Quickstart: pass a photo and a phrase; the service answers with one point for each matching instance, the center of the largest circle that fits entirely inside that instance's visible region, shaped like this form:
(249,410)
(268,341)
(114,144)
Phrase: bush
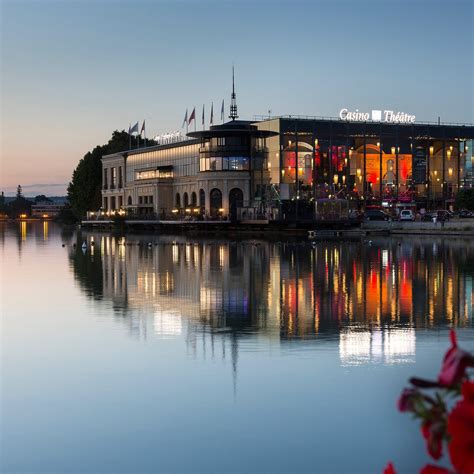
(465,199)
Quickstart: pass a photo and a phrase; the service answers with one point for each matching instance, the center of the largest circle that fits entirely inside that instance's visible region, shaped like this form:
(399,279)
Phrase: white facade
(166,180)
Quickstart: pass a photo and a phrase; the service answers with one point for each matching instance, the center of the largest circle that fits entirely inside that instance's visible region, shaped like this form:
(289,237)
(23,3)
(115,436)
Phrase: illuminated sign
(385,116)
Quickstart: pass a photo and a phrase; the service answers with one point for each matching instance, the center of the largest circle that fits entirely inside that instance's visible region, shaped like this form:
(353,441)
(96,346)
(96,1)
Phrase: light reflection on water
(258,327)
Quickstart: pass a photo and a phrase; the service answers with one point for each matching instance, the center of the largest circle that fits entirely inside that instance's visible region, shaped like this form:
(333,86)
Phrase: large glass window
(226,163)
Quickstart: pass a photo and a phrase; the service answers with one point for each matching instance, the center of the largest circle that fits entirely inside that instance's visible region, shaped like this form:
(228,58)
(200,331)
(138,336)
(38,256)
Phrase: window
(238,163)
(106,174)
(151,200)
(120,201)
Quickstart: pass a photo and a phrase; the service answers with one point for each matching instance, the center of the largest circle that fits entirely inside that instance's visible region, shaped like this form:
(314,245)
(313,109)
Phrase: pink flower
(434,438)
(461,430)
(432,469)
(454,364)
(389,469)
(407,399)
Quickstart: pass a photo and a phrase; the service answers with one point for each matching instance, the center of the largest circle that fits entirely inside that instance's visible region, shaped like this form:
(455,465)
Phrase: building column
(364,171)
(380,163)
(443,186)
(225,196)
(297,171)
(397,151)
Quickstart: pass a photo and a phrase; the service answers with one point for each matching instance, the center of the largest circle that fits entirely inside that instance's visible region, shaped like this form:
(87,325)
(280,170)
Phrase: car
(464,214)
(407,215)
(375,215)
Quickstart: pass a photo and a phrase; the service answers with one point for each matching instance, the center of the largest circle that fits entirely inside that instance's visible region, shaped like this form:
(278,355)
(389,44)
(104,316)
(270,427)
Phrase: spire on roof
(233,102)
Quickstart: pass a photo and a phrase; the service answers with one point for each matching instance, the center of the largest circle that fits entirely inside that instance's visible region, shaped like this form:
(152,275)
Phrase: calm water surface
(167,354)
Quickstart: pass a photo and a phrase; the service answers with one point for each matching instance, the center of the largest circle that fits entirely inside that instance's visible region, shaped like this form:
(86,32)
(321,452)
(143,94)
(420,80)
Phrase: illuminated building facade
(380,162)
(276,168)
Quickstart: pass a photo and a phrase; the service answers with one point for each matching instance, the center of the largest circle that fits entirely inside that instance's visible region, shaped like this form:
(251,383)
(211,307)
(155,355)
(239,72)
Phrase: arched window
(129,200)
(186,200)
(193,199)
(216,201)
(236,198)
(202,198)
(178,200)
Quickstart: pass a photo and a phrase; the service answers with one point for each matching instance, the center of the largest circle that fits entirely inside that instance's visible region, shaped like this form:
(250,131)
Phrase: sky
(72,72)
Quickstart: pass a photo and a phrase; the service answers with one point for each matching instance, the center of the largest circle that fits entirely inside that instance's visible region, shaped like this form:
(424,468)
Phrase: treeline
(20,205)
(84,190)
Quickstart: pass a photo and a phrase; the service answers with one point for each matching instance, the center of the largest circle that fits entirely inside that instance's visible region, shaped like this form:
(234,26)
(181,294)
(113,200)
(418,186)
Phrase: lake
(147,353)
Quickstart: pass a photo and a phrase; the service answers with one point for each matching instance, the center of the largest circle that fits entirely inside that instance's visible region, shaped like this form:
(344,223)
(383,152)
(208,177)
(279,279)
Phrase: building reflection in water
(371,297)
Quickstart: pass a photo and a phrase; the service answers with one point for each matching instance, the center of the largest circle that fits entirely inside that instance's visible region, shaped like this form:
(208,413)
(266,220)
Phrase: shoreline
(301,229)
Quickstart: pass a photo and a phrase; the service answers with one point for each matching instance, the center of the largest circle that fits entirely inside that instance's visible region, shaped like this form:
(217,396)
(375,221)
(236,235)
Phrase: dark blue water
(168,354)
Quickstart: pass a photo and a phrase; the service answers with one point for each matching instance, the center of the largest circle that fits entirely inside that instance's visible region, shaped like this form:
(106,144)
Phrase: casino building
(278,167)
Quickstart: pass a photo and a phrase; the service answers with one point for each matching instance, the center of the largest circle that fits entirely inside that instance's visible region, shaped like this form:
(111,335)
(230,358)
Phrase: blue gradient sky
(72,72)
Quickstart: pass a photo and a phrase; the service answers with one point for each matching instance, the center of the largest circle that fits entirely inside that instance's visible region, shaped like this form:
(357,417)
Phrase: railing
(259,118)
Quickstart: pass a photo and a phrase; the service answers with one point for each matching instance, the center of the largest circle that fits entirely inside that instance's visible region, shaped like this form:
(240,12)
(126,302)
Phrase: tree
(20,205)
(465,199)
(42,198)
(84,190)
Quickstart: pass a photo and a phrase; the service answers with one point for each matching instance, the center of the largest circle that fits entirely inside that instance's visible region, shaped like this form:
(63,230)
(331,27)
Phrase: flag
(185,121)
(212,113)
(202,115)
(133,129)
(222,110)
(192,116)
(142,129)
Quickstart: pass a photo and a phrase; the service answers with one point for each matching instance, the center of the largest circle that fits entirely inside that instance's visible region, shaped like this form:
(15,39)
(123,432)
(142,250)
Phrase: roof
(233,128)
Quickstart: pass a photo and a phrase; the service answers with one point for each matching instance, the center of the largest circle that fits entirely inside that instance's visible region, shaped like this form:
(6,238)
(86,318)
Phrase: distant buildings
(47,209)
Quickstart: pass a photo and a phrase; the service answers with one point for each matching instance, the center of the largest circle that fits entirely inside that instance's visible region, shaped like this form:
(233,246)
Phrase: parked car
(375,215)
(464,214)
(407,215)
(354,214)
(441,215)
